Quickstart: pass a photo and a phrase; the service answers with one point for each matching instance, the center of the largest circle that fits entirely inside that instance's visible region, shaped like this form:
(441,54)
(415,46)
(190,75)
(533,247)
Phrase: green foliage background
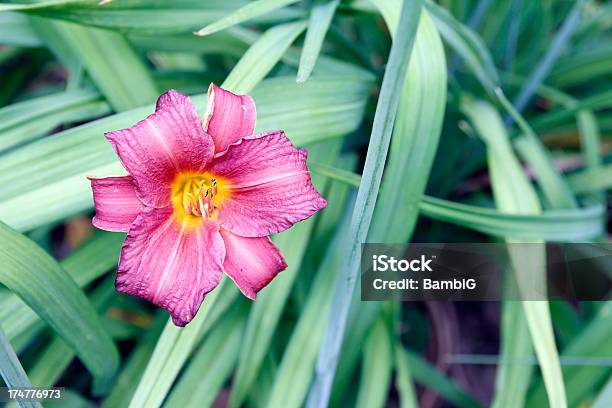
(445,121)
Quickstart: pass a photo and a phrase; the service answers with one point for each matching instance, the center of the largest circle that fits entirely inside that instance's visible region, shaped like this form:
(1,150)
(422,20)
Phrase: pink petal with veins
(228,117)
(251,262)
(171,264)
(116,203)
(268,184)
(155,149)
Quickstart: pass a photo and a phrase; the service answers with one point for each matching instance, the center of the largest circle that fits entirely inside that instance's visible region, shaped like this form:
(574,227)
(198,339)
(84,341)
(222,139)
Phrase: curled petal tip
(228,117)
(250,295)
(322,203)
(179,322)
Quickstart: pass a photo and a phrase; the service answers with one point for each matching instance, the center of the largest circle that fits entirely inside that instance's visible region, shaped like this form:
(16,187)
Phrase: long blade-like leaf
(211,365)
(377,367)
(514,194)
(87,263)
(41,283)
(382,127)
(581,224)
(244,13)
(512,379)
(171,352)
(320,18)
(11,370)
(261,57)
(25,121)
(403,381)
(546,63)
(119,73)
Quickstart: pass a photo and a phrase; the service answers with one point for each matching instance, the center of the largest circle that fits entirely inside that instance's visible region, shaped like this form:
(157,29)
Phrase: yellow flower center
(197,196)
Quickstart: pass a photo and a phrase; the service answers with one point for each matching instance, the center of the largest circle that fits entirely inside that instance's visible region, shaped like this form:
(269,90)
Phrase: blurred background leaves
(501,133)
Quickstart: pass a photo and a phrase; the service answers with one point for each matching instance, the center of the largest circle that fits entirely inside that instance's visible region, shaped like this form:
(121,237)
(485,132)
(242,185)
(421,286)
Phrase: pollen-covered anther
(198,196)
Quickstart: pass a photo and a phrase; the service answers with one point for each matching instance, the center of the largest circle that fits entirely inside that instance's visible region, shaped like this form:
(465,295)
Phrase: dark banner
(475,272)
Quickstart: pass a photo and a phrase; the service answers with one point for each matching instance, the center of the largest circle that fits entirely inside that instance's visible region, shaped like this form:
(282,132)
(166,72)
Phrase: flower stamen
(196,195)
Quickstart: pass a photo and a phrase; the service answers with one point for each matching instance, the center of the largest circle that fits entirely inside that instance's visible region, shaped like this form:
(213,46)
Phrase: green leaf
(261,57)
(596,101)
(581,224)
(555,225)
(542,336)
(156,18)
(382,127)
(70,399)
(11,370)
(115,68)
(556,191)
(41,283)
(413,146)
(592,341)
(415,138)
(175,345)
(321,16)
(377,367)
(35,5)
(52,362)
(426,374)
(87,263)
(591,180)
(171,352)
(244,13)
(297,365)
(403,380)
(490,128)
(514,194)
(232,43)
(26,121)
(512,377)
(361,319)
(466,44)
(15,30)
(604,399)
(53,39)
(545,64)
(581,66)
(57,355)
(211,365)
(128,378)
(13,115)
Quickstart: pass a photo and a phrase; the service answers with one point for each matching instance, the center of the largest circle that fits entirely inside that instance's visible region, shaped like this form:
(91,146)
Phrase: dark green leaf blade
(45,287)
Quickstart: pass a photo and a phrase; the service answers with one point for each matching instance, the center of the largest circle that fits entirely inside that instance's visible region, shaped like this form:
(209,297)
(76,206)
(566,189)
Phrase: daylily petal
(155,149)
(268,185)
(228,116)
(251,262)
(171,264)
(116,203)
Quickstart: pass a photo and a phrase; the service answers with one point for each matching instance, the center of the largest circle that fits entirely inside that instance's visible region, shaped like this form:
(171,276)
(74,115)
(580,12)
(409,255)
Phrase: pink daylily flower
(201,198)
